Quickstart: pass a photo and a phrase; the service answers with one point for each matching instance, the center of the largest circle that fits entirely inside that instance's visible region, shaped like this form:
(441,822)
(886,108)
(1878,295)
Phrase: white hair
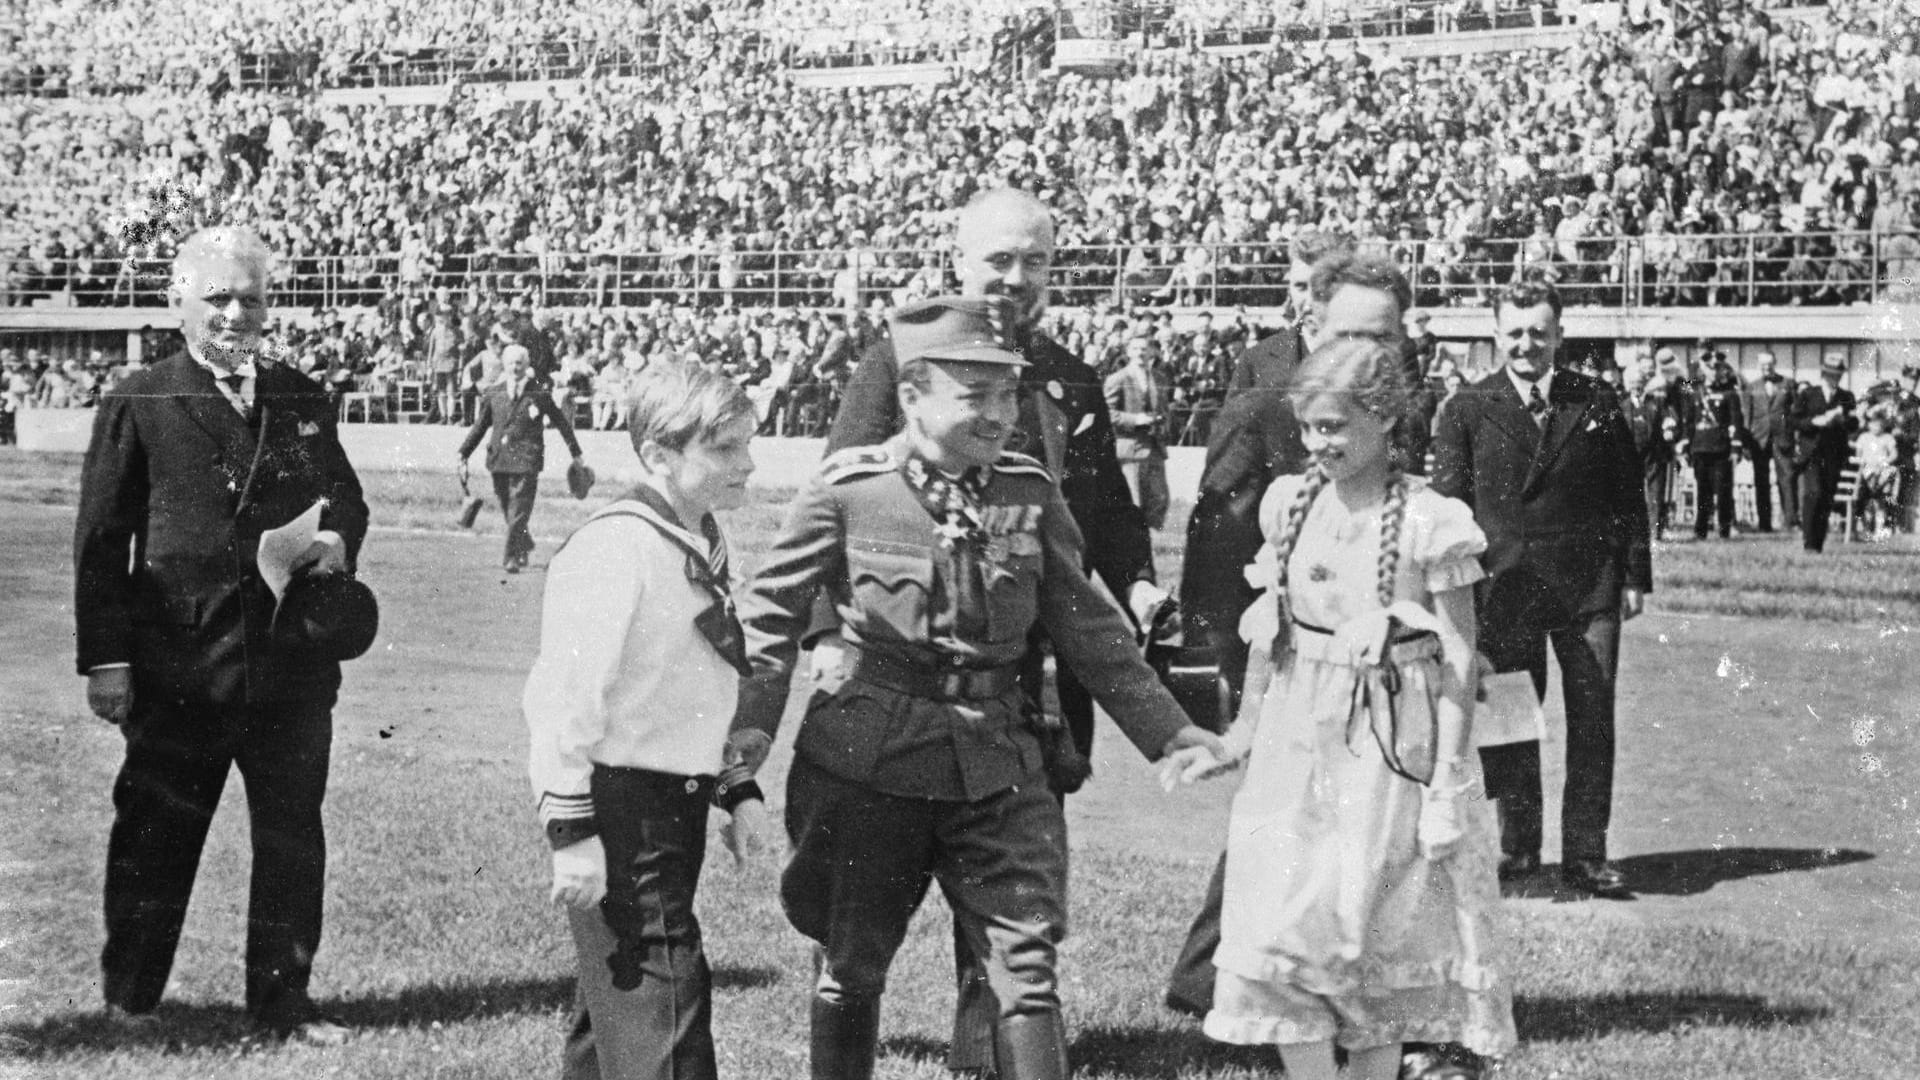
(228,242)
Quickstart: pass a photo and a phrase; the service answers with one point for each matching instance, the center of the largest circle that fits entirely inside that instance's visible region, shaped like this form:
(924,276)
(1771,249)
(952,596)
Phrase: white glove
(580,874)
(1439,831)
(1150,607)
(829,662)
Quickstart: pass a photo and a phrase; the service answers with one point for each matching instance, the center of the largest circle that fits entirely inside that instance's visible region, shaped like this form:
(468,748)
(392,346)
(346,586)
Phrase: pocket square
(309,428)
(1085,423)
(1593,425)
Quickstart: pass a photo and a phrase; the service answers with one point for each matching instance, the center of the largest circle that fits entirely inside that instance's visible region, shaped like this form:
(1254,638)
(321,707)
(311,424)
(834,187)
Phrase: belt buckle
(953,685)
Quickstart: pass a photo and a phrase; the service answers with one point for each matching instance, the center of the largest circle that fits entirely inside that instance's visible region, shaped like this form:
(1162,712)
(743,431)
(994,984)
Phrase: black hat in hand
(332,615)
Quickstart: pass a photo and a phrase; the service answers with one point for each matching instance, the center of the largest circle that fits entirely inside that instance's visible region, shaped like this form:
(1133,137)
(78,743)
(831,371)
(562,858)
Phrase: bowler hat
(1191,673)
(579,478)
(332,616)
(964,328)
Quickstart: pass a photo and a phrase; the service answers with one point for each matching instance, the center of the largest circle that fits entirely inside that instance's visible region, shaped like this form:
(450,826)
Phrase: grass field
(1766,805)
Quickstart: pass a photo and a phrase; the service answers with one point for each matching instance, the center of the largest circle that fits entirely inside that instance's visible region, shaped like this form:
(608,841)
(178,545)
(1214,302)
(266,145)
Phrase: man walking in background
(1545,457)
(1137,398)
(1823,423)
(516,409)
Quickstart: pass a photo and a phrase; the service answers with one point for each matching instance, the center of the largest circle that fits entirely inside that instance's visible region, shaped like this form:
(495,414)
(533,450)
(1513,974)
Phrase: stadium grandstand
(655,178)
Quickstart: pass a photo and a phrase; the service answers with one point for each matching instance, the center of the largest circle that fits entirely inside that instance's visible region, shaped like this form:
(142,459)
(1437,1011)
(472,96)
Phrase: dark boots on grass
(846,1034)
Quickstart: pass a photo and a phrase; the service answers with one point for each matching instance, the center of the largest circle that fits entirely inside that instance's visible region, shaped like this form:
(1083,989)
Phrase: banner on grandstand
(1101,56)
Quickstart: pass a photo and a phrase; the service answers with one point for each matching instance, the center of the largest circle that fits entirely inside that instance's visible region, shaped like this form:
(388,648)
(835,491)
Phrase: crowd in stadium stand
(1184,177)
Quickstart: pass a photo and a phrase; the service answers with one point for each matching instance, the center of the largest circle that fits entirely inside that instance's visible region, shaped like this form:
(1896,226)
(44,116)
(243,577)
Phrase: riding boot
(1031,1046)
(844,1034)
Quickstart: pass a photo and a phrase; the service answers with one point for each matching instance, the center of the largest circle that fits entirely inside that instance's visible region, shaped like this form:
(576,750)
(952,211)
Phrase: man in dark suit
(1004,247)
(1769,443)
(516,409)
(1823,425)
(191,460)
(1254,440)
(1546,460)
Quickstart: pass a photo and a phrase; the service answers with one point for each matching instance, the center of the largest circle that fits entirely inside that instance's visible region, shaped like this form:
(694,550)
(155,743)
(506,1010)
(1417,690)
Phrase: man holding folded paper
(188,646)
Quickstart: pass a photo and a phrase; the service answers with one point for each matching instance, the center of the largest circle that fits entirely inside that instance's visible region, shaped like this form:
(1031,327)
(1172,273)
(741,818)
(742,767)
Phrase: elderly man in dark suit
(1545,458)
(1823,422)
(191,460)
(517,410)
(1004,247)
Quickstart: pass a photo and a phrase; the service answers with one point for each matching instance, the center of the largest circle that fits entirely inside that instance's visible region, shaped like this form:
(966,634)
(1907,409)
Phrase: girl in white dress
(1361,853)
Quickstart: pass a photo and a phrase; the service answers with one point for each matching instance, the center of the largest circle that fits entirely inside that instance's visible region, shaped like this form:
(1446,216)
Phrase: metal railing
(1727,270)
(818,47)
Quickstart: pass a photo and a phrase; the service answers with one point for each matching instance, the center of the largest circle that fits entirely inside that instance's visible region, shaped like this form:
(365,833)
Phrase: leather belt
(933,683)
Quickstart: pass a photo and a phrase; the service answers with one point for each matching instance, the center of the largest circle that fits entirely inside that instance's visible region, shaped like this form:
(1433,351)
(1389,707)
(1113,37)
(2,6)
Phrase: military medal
(993,556)
(997,550)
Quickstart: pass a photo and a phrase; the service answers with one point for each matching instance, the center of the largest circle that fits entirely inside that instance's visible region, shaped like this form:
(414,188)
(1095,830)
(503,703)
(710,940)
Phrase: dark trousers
(176,766)
(862,862)
(1589,652)
(516,492)
(1655,478)
(975,1011)
(1818,481)
(643,1003)
(1190,986)
(1712,489)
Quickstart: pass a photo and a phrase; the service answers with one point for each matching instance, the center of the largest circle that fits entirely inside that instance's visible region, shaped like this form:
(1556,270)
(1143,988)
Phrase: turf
(1765,806)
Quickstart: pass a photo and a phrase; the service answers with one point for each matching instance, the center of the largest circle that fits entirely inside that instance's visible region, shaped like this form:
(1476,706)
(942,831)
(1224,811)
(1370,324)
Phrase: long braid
(1391,517)
(1296,519)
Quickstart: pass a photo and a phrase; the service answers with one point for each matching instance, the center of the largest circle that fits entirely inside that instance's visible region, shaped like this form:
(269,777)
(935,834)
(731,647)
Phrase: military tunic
(921,766)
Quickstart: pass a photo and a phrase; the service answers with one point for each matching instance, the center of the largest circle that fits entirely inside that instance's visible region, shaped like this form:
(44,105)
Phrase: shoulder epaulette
(843,465)
(1019,464)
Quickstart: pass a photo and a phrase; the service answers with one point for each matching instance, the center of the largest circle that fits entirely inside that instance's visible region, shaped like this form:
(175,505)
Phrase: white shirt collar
(245,368)
(1545,383)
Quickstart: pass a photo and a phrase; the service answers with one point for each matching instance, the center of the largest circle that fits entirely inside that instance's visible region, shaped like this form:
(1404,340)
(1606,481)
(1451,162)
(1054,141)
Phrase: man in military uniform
(1003,245)
(938,552)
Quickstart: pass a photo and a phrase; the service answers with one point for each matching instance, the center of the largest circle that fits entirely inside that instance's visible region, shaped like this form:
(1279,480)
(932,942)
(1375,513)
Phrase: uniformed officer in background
(938,552)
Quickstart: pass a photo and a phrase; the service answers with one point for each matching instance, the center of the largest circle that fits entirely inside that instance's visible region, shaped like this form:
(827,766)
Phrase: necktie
(1537,405)
(234,385)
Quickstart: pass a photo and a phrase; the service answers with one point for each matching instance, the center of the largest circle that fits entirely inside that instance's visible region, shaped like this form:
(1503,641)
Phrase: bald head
(1004,247)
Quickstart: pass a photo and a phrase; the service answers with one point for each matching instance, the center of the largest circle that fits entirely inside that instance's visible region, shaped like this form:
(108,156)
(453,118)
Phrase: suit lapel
(200,398)
(1507,412)
(1570,403)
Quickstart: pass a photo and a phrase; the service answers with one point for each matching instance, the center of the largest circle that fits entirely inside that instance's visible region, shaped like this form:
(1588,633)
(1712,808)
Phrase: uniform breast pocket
(892,587)
(1013,597)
